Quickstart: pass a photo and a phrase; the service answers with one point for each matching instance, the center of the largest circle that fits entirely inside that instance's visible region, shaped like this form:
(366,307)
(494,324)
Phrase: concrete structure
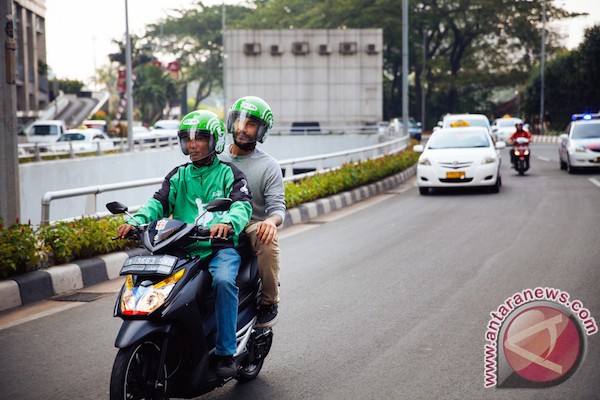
(333,77)
(32,81)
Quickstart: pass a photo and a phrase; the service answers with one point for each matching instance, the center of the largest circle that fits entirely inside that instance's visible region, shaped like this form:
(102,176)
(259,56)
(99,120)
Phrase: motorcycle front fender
(133,331)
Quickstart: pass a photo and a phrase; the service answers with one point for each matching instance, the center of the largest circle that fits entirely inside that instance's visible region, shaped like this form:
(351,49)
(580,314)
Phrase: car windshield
(586,131)
(458,140)
(67,137)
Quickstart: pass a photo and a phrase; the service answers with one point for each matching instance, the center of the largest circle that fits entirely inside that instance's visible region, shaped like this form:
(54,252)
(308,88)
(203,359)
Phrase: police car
(580,144)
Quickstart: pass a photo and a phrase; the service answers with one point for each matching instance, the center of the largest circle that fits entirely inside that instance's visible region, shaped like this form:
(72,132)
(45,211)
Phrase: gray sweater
(265,181)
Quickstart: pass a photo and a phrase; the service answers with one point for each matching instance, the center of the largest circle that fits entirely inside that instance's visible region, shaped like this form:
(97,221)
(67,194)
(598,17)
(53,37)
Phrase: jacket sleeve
(158,206)
(241,210)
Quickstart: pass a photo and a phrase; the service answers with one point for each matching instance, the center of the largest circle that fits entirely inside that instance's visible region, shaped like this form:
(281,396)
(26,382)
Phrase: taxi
(580,143)
(460,156)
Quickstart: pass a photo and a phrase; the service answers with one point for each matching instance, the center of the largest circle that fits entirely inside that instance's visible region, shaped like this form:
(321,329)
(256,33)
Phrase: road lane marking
(594,181)
(543,158)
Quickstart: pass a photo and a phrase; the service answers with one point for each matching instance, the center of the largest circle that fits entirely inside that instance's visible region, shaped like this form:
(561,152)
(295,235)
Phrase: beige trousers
(268,264)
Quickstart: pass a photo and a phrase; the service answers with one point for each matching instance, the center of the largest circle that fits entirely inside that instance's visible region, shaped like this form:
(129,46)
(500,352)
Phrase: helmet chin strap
(204,161)
(245,146)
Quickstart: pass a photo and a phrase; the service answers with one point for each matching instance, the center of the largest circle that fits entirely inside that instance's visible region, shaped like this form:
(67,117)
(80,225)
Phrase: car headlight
(142,300)
(488,160)
(573,148)
(424,161)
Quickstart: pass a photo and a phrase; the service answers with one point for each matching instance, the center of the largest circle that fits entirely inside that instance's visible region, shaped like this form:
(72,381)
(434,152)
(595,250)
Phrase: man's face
(245,130)
(198,147)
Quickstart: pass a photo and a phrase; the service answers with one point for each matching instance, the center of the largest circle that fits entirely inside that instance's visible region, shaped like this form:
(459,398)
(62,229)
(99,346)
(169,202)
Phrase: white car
(459,157)
(462,120)
(82,140)
(166,128)
(580,144)
(503,128)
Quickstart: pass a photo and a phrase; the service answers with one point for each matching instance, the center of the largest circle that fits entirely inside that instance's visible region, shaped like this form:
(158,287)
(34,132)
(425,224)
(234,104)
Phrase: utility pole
(405,67)
(10,204)
(543,67)
(128,82)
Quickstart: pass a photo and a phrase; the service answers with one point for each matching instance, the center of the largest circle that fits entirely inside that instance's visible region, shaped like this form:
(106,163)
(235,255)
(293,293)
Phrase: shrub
(19,249)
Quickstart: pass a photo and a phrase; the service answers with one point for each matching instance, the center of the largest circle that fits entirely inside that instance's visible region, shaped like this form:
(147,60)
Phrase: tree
(571,82)
(154,89)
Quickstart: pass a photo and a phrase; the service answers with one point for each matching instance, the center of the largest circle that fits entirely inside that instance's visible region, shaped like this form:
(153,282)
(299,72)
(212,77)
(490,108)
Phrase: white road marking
(544,158)
(595,181)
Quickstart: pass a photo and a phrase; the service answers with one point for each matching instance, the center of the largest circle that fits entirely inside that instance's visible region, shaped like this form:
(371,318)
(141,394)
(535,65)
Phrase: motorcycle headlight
(142,300)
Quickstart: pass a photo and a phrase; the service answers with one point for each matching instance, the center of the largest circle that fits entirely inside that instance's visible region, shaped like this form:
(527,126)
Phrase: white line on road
(594,181)
(544,158)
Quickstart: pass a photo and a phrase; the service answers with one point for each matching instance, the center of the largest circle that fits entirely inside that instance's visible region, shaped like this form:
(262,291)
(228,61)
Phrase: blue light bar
(585,116)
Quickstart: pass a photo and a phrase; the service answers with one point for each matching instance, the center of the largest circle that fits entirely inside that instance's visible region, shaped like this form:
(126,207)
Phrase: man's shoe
(226,367)
(267,316)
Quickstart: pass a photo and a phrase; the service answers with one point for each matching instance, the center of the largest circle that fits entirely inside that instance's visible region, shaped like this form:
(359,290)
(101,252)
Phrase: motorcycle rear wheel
(135,371)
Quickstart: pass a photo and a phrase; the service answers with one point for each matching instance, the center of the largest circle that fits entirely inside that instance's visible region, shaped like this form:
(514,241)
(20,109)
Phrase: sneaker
(226,367)
(267,316)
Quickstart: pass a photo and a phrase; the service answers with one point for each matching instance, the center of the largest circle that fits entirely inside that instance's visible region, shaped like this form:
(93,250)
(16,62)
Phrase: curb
(43,284)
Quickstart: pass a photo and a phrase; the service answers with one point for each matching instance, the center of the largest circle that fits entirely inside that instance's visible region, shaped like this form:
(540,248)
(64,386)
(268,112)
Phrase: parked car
(166,128)
(82,140)
(45,131)
(503,128)
(580,144)
(459,157)
(414,128)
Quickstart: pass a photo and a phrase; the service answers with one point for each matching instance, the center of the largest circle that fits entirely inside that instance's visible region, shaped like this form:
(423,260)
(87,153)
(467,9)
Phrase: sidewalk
(43,284)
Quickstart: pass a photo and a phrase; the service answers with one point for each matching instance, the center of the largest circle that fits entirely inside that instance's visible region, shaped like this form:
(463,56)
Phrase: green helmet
(205,123)
(254,108)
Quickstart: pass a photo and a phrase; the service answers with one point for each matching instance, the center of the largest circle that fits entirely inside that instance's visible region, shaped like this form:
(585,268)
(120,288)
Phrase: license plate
(455,174)
(159,264)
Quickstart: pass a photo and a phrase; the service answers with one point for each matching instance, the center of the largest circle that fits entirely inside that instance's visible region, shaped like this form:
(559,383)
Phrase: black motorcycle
(521,155)
(167,339)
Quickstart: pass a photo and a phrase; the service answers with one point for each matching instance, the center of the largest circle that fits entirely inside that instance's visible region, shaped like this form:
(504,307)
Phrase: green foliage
(571,84)
(19,249)
(348,176)
(84,238)
(71,86)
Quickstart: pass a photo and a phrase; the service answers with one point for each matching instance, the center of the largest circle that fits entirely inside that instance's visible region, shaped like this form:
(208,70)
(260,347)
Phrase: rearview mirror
(219,204)
(116,208)
(418,148)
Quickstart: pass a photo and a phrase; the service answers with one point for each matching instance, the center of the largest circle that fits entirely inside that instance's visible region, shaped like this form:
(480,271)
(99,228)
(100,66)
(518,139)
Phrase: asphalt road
(388,299)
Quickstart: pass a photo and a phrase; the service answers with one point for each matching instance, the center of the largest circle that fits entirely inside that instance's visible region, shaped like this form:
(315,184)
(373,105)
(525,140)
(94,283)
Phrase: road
(388,299)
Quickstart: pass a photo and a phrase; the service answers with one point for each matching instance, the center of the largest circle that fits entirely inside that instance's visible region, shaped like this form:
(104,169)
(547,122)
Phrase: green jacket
(187,190)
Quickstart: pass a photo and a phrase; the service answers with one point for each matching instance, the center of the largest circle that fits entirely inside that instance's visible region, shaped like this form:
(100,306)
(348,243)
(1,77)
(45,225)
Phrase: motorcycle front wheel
(135,372)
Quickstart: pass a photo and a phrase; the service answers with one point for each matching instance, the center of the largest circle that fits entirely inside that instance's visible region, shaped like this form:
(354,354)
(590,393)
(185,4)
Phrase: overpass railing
(340,157)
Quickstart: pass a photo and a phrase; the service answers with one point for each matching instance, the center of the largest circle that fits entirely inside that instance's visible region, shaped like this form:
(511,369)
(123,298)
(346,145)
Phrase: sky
(79,33)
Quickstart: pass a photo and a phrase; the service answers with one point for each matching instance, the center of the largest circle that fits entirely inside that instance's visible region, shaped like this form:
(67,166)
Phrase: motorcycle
(167,340)
(521,155)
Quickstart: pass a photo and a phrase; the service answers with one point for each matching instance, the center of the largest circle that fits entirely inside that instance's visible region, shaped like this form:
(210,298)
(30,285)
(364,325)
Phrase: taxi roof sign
(459,122)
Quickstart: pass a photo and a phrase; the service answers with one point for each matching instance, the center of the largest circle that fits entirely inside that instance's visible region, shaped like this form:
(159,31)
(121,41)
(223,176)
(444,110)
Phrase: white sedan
(580,144)
(504,127)
(459,157)
(82,140)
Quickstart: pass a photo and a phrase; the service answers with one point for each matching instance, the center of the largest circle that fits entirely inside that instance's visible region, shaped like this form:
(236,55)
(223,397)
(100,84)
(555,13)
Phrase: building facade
(32,71)
(329,77)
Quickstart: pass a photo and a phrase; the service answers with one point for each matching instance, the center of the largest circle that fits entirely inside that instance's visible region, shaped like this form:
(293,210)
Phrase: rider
(520,132)
(248,120)
(184,194)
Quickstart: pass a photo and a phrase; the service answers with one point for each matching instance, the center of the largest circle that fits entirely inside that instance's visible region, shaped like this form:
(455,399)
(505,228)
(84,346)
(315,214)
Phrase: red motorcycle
(521,155)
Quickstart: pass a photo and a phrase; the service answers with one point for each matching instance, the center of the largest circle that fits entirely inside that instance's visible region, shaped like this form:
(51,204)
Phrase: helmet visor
(245,127)
(185,136)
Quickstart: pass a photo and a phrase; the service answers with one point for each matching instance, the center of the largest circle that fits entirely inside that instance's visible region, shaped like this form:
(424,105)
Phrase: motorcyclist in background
(520,132)
(184,194)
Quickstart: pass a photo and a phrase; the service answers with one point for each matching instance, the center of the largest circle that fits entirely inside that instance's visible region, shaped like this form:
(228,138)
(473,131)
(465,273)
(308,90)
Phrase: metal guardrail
(376,151)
